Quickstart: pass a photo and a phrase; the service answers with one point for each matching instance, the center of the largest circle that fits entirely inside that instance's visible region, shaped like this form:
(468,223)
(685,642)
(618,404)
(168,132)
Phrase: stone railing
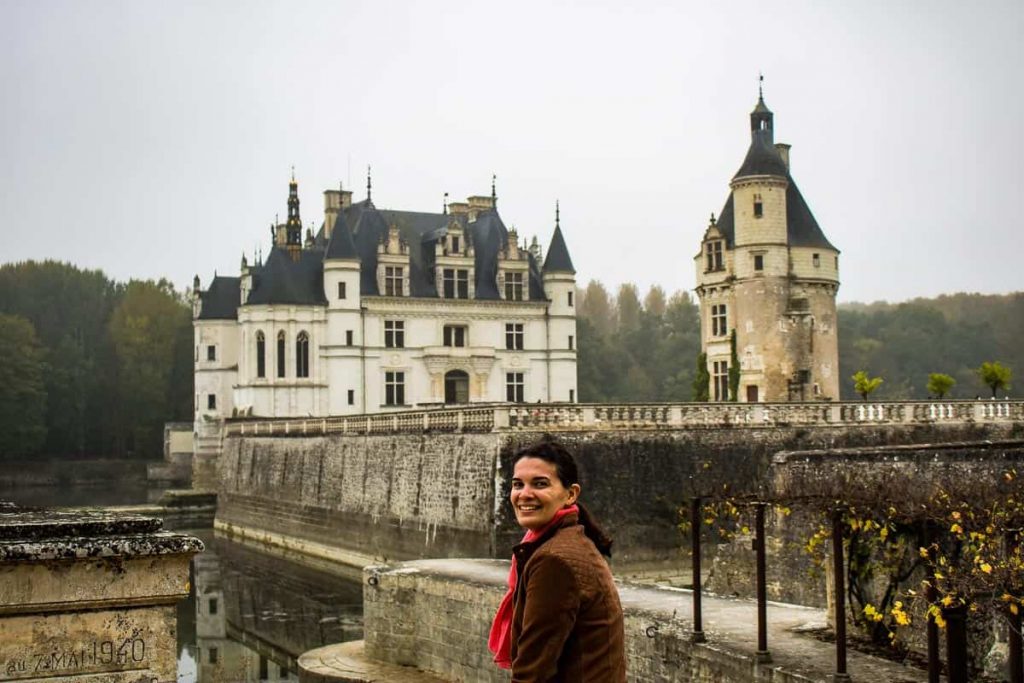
(599,416)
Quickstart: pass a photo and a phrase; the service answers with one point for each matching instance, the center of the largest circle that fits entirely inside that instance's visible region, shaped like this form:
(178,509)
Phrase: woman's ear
(574,494)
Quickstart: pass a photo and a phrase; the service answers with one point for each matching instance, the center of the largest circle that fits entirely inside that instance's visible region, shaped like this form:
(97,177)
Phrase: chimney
(783,149)
(332,204)
(458,208)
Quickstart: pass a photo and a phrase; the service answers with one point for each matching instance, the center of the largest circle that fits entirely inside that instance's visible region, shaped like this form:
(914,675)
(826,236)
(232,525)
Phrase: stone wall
(378,497)
(404,496)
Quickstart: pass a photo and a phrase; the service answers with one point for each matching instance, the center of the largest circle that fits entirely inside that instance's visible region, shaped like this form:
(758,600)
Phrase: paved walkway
(730,625)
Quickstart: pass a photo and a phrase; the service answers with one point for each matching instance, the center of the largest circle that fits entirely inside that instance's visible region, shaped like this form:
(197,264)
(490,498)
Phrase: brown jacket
(567,621)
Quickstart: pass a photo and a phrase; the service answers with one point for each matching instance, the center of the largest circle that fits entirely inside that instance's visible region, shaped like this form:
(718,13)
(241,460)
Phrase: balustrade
(566,416)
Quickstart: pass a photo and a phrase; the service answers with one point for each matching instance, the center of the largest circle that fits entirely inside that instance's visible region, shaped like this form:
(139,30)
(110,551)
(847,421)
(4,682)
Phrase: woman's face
(538,493)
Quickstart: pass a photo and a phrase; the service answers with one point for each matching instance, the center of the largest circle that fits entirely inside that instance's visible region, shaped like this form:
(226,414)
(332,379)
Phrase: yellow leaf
(1013,607)
(986,567)
(884,532)
(923,552)
(947,601)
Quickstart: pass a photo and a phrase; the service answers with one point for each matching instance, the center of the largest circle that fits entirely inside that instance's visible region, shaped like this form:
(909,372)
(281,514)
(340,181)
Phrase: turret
(559,277)
(293,226)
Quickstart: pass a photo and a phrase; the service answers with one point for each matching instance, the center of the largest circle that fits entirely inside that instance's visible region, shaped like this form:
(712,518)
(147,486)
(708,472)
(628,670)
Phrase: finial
(445,203)
(369,183)
(760,84)
(558,214)
(293,173)
(494,192)
(712,218)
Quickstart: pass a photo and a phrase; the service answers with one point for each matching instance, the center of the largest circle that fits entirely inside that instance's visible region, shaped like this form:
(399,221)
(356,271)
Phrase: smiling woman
(560,619)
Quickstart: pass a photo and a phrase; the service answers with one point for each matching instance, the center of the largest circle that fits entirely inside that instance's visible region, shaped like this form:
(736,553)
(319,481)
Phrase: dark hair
(551,451)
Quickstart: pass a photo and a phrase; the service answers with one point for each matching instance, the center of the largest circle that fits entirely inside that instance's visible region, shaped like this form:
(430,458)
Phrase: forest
(94,367)
(91,367)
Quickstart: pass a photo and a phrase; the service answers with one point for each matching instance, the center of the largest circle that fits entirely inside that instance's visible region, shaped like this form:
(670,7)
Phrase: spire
(558,254)
(369,184)
(760,86)
(445,204)
(762,157)
(494,192)
(294,225)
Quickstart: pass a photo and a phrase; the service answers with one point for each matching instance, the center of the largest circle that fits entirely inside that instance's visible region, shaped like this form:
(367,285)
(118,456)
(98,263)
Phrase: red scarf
(500,640)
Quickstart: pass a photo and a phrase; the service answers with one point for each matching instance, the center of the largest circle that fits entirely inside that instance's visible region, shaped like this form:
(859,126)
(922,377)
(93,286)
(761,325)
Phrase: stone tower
(767,272)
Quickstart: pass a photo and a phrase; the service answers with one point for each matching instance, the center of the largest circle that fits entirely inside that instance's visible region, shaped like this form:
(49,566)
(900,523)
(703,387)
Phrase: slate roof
(762,157)
(558,255)
(802,229)
(357,232)
(220,300)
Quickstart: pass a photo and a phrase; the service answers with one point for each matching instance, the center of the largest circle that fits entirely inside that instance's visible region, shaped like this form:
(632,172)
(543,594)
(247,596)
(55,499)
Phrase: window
(572,396)
(456,283)
(570,342)
(394,388)
(455,244)
(514,336)
(341,290)
(758,261)
(570,298)
(264,669)
(351,397)
(720,380)
(719,327)
(212,655)
(348,337)
(392,281)
(212,606)
(514,286)
(758,206)
(302,355)
(211,352)
(837,263)
(514,387)
(280,354)
(714,254)
(394,334)
(454,335)
(211,401)
(816,260)
(261,355)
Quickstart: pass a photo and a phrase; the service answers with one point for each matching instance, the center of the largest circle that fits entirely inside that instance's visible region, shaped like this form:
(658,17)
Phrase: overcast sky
(155,139)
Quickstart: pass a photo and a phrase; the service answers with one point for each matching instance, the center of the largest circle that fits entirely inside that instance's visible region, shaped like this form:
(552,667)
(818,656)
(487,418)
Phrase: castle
(767,276)
(385,309)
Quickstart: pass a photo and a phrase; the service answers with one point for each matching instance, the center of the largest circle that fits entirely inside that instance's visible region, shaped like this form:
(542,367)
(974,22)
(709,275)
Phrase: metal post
(956,643)
(839,604)
(1015,666)
(763,655)
(698,627)
(931,595)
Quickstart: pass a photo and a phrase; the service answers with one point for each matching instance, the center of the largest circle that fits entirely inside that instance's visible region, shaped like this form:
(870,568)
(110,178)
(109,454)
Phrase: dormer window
(514,286)
(456,283)
(758,206)
(714,256)
(393,281)
(455,244)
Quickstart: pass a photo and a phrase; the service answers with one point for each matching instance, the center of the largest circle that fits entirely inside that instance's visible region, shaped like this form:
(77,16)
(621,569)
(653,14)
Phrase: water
(249,615)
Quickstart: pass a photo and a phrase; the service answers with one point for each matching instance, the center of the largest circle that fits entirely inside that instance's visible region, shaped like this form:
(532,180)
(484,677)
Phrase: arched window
(261,354)
(280,354)
(456,386)
(302,355)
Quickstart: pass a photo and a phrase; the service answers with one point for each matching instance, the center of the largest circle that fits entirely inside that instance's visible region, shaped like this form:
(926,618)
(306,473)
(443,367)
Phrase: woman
(561,619)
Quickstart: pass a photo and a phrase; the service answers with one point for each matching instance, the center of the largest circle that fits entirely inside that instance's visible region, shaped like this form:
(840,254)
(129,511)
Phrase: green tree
(22,388)
(145,329)
(863,384)
(734,369)
(627,304)
(595,305)
(939,384)
(995,376)
(702,379)
(654,302)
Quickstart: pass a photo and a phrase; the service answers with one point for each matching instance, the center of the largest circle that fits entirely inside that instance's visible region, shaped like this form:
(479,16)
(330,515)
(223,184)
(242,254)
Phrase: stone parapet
(588,416)
(435,615)
(89,596)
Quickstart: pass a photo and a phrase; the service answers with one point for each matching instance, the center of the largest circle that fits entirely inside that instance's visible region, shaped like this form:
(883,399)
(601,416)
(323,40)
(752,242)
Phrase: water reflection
(249,615)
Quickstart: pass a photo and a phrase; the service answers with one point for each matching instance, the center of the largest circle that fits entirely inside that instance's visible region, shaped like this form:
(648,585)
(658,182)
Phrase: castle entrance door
(456,387)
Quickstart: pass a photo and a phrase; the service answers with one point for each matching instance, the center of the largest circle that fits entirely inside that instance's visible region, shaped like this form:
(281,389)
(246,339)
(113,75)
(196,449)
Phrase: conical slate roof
(341,245)
(558,255)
